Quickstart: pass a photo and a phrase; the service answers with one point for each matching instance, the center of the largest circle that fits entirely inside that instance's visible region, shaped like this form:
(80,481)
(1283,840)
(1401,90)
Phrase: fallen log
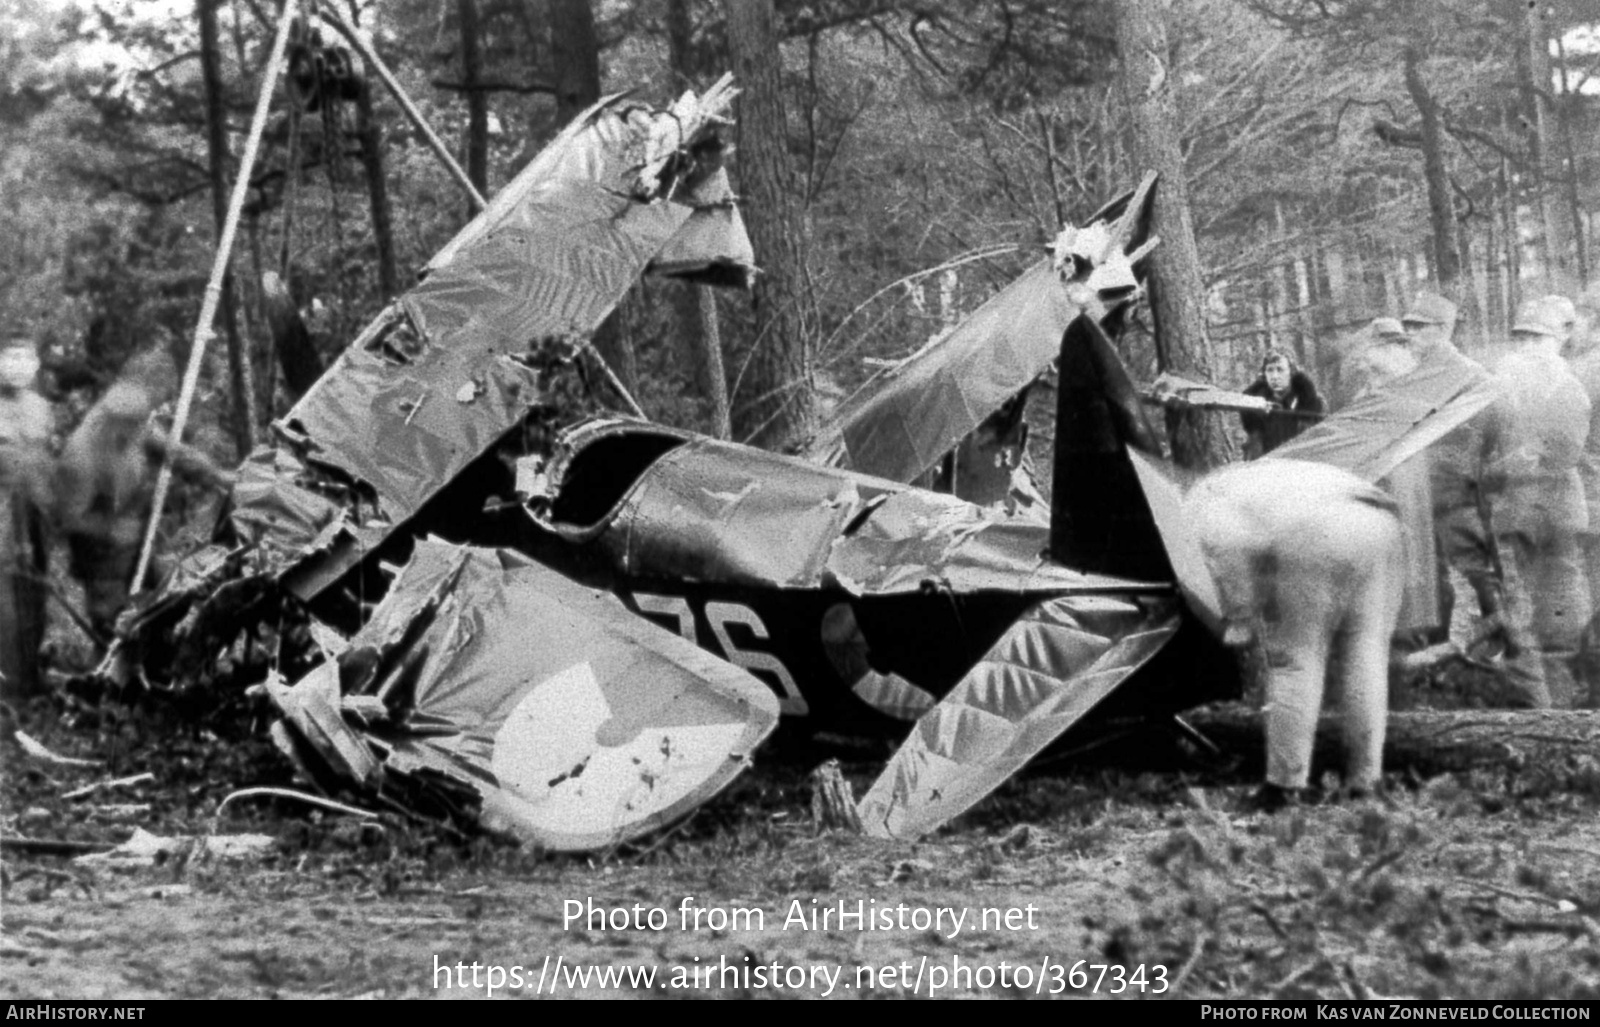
(52,846)
(1560,747)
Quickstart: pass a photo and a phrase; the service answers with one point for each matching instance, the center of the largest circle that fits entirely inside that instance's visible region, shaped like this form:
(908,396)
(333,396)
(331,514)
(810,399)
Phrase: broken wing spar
(575,723)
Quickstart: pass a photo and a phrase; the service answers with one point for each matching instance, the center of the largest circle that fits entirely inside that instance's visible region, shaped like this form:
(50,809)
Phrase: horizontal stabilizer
(1060,659)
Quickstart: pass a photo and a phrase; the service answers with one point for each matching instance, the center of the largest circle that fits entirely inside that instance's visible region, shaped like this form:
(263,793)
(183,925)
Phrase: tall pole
(213,294)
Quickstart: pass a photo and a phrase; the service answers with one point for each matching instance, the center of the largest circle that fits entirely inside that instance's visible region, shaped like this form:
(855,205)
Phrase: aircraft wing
(904,419)
(573,723)
(1060,658)
(447,370)
(1370,438)
(1385,428)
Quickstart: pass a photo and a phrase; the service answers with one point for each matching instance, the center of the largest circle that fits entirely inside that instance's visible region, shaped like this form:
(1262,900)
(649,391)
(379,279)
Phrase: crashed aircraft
(827,594)
(581,645)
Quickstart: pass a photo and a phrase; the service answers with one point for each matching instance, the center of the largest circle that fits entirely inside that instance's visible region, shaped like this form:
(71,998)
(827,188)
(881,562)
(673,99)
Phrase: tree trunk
(697,305)
(680,37)
(1560,268)
(1565,113)
(297,353)
(1446,251)
(1495,316)
(782,403)
(244,413)
(1471,318)
(371,132)
(576,51)
(1177,296)
(1563,745)
(477,98)
(1510,231)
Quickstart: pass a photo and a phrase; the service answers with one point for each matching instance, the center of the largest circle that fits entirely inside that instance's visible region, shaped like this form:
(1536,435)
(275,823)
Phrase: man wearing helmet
(1534,439)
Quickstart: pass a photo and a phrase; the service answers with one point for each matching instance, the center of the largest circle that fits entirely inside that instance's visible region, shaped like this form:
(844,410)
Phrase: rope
(208,307)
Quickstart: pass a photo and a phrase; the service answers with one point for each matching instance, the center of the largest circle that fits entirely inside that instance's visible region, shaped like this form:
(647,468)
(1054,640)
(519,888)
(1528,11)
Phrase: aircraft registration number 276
(721,616)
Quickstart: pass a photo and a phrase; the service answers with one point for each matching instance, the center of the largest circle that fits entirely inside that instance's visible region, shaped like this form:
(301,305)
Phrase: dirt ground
(1096,881)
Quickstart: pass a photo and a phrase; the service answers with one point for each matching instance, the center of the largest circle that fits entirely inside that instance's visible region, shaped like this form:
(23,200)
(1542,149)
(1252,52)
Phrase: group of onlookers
(1503,514)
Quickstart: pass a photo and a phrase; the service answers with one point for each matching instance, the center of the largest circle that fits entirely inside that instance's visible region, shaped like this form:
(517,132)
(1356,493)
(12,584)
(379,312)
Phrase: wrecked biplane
(846,599)
(598,637)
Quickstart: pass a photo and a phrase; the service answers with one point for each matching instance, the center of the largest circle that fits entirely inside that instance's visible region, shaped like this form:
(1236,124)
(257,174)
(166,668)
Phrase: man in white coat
(1308,559)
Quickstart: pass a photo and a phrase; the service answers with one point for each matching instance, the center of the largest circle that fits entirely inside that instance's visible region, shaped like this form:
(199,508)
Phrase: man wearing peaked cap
(1454,472)
(1430,309)
(1388,355)
(1388,328)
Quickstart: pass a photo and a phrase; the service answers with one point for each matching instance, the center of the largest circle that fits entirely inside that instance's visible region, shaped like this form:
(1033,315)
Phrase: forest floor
(1089,880)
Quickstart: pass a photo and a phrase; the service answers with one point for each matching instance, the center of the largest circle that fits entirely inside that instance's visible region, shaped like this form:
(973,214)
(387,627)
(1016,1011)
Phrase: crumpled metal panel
(1383,429)
(271,510)
(313,711)
(408,406)
(917,540)
(712,247)
(714,511)
(718,511)
(579,724)
(439,376)
(1049,669)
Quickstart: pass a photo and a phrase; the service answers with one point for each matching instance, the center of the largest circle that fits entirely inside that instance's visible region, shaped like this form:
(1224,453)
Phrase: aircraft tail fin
(1101,520)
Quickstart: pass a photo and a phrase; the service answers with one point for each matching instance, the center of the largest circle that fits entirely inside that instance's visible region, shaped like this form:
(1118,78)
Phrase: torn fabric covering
(902,421)
(915,413)
(1049,669)
(720,512)
(578,724)
(1385,428)
(441,375)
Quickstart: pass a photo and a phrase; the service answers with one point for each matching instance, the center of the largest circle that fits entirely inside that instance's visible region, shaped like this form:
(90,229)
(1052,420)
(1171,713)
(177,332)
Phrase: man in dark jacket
(1299,405)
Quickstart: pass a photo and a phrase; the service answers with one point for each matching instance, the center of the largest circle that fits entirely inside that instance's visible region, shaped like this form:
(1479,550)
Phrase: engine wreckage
(586,641)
